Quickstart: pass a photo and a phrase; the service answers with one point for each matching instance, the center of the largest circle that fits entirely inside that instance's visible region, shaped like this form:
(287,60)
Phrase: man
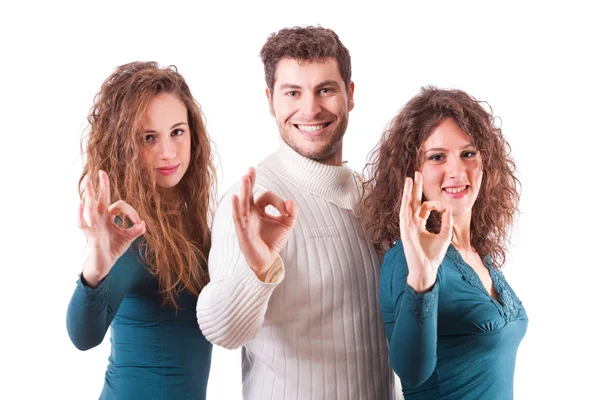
(298,287)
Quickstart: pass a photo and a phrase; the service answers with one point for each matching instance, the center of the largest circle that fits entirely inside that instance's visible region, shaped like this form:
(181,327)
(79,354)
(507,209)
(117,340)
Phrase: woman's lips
(456,192)
(168,170)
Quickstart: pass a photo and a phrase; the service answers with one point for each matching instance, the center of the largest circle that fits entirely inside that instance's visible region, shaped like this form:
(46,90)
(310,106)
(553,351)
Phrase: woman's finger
(90,202)
(405,205)
(81,220)
(135,231)
(121,207)
(447,223)
(417,193)
(429,206)
(103,192)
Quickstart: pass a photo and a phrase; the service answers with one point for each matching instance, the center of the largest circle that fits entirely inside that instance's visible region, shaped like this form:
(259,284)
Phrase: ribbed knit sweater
(316,331)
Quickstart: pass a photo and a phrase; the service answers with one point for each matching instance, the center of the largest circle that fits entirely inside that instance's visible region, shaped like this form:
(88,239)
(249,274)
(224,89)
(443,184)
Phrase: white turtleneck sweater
(315,332)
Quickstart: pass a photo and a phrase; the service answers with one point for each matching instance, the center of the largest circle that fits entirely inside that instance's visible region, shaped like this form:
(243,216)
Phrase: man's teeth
(310,128)
(455,190)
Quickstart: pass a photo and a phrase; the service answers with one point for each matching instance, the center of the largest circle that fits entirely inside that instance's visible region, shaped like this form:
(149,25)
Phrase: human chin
(460,206)
(170,181)
(166,183)
(318,148)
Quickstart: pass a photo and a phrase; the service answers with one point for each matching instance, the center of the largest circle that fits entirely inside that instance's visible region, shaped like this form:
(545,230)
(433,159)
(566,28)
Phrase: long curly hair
(399,154)
(177,239)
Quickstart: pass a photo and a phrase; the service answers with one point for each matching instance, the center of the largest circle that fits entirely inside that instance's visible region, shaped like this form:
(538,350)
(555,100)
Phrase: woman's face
(166,140)
(452,168)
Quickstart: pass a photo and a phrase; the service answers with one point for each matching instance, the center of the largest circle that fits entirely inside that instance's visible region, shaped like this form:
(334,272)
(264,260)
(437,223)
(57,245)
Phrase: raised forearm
(232,309)
(413,344)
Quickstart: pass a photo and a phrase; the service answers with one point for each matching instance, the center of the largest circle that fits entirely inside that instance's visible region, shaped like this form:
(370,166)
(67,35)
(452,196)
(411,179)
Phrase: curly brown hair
(177,239)
(310,43)
(398,155)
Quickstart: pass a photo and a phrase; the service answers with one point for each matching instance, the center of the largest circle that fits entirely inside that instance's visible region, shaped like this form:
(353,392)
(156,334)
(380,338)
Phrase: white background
(536,64)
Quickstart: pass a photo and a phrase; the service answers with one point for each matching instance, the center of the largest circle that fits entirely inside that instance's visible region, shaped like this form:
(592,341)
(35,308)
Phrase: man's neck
(336,160)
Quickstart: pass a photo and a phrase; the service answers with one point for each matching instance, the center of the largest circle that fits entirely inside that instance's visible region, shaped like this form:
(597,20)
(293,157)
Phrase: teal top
(455,341)
(156,352)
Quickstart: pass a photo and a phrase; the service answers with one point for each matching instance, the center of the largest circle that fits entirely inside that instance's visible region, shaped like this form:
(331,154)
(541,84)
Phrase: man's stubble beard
(326,153)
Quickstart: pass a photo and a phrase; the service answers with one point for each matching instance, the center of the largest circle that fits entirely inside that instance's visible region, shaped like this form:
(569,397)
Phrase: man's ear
(270,99)
(351,96)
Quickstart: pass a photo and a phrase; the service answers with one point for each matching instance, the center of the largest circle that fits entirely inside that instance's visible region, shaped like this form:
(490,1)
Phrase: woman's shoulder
(397,250)
(394,260)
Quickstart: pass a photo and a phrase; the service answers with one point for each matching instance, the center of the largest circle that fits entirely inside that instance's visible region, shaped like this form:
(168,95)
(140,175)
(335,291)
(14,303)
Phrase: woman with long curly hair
(147,192)
(440,196)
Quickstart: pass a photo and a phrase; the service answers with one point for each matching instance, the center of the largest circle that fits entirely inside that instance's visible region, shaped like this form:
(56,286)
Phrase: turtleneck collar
(336,184)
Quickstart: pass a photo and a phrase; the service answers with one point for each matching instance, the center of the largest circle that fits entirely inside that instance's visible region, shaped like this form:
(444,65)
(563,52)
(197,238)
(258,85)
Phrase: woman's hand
(107,241)
(424,250)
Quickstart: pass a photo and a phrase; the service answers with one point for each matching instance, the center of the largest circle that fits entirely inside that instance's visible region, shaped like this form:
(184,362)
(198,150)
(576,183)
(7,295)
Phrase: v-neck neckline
(475,275)
(506,304)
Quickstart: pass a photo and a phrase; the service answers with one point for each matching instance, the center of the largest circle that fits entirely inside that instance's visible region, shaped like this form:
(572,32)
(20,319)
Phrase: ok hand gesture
(261,236)
(424,250)
(107,241)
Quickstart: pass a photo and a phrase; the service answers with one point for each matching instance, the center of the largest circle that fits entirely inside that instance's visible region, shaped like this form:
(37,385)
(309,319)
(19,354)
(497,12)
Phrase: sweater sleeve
(413,333)
(231,308)
(91,310)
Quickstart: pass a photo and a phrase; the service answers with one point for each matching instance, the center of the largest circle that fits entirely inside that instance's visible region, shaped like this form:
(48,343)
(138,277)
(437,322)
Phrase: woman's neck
(169,195)
(461,232)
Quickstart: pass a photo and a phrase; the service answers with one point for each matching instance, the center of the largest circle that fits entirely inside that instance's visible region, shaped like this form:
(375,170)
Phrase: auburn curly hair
(177,239)
(399,154)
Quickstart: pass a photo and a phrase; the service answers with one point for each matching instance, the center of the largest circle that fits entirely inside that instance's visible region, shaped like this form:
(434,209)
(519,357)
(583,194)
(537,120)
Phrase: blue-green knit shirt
(156,352)
(455,341)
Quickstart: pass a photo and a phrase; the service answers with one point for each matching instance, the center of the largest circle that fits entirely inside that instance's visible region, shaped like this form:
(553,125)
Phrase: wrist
(262,273)
(91,275)
(420,283)
(92,278)
(270,273)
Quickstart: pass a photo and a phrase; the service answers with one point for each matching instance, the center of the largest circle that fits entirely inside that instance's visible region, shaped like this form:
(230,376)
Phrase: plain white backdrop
(535,63)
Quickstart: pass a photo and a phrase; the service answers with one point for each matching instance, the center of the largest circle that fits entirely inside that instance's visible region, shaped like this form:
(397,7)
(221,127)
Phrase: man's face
(311,104)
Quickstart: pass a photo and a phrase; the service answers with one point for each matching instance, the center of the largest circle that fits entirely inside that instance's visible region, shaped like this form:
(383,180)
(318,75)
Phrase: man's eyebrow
(330,82)
(289,86)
